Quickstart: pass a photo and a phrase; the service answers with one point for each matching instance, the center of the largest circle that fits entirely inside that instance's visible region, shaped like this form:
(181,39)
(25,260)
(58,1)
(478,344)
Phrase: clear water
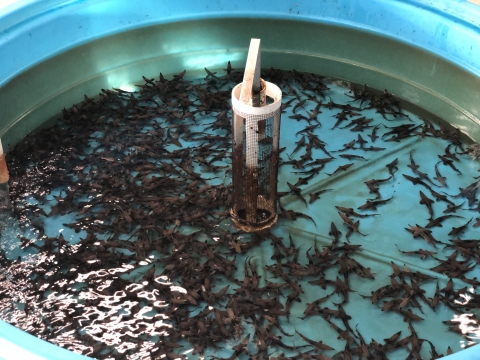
(114,306)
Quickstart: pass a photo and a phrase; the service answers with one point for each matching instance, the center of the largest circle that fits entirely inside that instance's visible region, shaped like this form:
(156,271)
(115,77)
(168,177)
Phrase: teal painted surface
(402,46)
(435,26)
(53,52)
(16,344)
(423,78)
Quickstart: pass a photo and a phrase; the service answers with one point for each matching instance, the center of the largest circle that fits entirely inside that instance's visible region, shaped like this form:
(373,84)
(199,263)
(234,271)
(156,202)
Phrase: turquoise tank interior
(55,52)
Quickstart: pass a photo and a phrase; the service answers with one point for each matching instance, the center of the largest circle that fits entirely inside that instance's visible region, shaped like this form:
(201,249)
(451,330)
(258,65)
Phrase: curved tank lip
(445,27)
(449,28)
(16,344)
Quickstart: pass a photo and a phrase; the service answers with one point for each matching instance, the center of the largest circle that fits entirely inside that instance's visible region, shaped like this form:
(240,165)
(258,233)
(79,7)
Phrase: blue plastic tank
(52,52)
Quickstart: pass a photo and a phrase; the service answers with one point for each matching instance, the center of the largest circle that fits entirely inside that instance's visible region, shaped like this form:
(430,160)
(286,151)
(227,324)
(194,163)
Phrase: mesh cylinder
(256,134)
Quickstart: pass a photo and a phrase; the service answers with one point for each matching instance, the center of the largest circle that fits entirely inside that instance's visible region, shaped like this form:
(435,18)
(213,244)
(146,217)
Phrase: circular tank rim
(25,24)
(449,29)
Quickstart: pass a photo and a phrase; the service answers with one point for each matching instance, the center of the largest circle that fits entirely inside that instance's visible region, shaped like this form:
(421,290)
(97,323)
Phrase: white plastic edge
(273,91)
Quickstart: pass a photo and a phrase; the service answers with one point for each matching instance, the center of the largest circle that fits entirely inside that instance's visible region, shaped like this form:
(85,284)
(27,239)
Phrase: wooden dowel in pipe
(250,94)
(3,166)
(251,77)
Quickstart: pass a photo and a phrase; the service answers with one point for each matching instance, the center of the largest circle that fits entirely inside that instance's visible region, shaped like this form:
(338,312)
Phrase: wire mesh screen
(255,161)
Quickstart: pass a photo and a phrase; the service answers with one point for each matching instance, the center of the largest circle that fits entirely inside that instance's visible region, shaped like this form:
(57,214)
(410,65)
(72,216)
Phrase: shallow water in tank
(137,322)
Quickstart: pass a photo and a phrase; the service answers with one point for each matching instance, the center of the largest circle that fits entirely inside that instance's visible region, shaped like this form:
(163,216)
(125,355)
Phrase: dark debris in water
(157,274)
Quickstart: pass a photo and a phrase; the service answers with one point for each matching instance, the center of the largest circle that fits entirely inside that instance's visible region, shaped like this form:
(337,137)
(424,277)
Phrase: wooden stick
(251,86)
(251,77)
(3,166)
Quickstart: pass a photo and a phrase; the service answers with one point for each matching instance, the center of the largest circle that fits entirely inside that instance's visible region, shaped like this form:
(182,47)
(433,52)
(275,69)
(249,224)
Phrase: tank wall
(437,26)
(437,84)
(53,52)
